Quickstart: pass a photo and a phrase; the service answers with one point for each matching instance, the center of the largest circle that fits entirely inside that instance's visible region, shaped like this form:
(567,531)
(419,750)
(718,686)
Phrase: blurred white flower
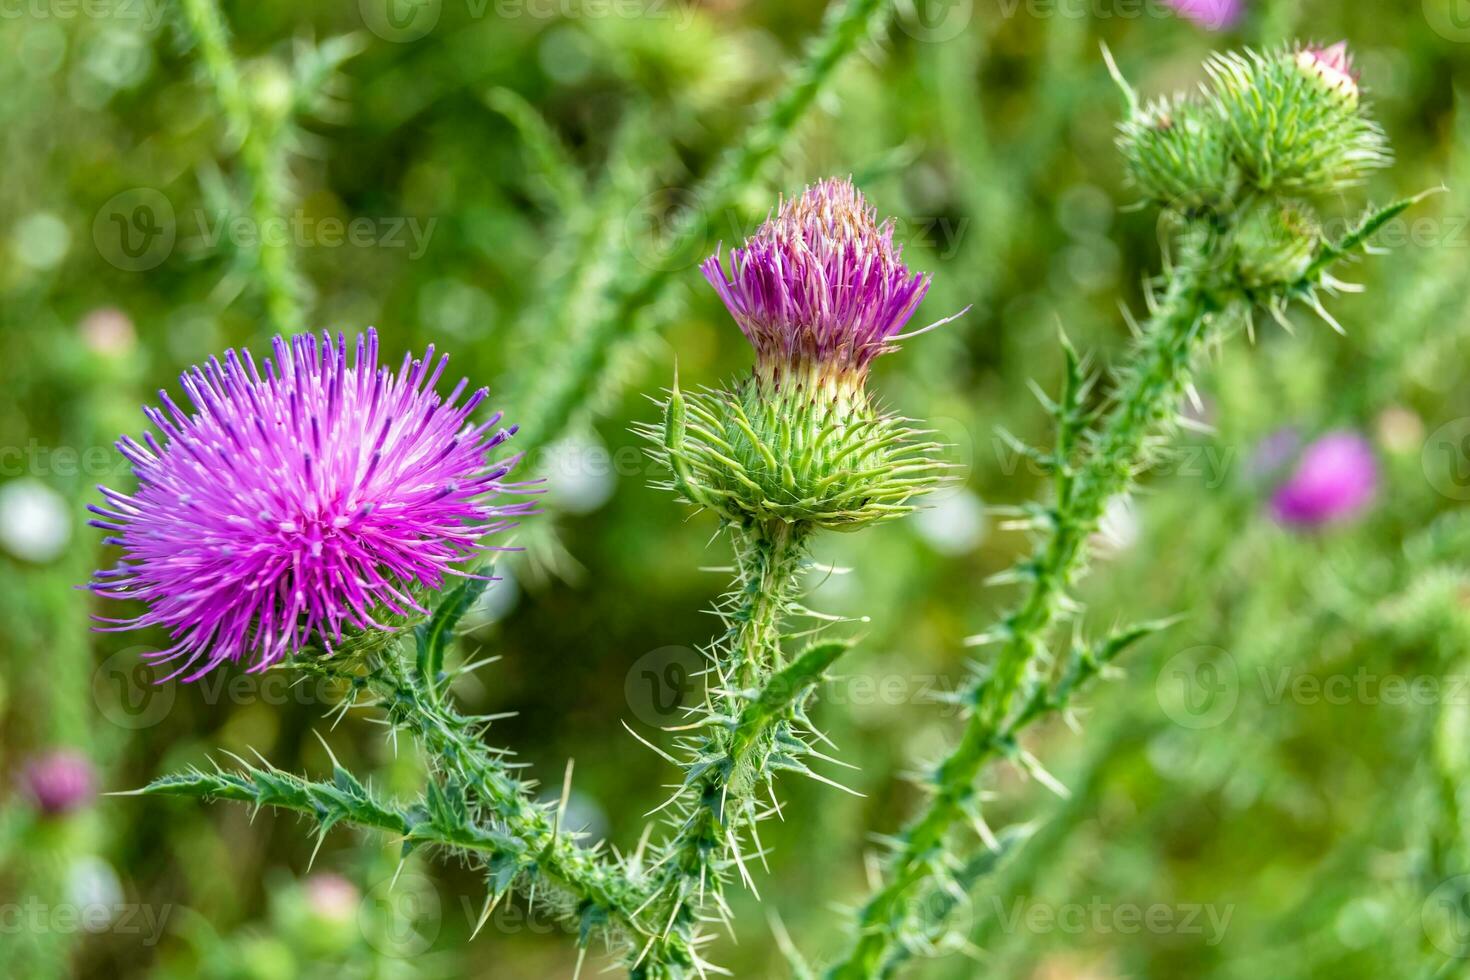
(92,885)
(496,602)
(1119,528)
(952,525)
(108,331)
(579,474)
(35,523)
(41,240)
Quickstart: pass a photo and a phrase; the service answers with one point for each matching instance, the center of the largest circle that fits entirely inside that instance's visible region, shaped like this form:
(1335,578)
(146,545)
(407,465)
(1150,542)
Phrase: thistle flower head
(1294,119)
(299,501)
(819,291)
(60,781)
(1334,479)
(820,287)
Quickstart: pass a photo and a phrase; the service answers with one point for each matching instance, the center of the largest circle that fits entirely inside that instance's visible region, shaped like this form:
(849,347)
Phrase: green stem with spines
(262,156)
(754,695)
(543,853)
(1172,341)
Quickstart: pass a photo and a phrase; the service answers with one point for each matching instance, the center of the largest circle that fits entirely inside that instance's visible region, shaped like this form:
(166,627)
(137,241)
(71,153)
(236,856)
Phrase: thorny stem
(1173,339)
(545,854)
(261,156)
(753,697)
(768,562)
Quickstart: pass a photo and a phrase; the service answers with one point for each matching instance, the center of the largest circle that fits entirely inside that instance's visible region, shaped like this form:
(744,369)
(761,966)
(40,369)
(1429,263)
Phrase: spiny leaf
(433,636)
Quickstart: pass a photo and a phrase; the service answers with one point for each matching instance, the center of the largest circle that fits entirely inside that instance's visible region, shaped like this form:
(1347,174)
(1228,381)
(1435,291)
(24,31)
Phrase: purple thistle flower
(821,284)
(60,781)
(1216,15)
(1335,478)
(302,501)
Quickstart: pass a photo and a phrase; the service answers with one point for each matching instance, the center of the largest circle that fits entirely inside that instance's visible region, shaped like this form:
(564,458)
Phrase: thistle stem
(754,695)
(261,156)
(1173,339)
(541,850)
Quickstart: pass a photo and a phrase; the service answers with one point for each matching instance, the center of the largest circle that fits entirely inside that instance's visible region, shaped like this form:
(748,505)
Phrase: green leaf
(1358,238)
(433,637)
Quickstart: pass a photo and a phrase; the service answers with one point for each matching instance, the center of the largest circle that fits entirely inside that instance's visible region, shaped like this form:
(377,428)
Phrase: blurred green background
(1281,773)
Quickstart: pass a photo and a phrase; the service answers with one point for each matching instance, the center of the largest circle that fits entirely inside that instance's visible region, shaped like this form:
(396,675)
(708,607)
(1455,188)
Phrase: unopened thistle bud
(1178,156)
(1333,66)
(1275,245)
(819,291)
(1335,479)
(1295,119)
(60,781)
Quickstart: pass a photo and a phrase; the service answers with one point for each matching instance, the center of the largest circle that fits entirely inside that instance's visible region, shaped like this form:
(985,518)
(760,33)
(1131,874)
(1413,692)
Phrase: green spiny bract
(797,449)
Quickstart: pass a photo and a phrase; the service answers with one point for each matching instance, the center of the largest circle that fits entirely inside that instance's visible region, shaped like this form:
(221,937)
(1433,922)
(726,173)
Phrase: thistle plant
(796,447)
(316,509)
(1238,169)
(325,514)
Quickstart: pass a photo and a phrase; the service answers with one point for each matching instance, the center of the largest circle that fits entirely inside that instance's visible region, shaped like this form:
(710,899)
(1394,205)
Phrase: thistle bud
(60,781)
(819,291)
(1295,121)
(1275,245)
(1176,154)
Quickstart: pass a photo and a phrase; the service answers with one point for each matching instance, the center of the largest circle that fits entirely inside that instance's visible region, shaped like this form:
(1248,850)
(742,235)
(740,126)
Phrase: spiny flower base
(763,453)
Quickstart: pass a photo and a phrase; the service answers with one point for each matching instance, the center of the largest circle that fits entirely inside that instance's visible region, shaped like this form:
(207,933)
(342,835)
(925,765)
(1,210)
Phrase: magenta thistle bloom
(299,502)
(1217,15)
(1335,478)
(60,781)
(820,285)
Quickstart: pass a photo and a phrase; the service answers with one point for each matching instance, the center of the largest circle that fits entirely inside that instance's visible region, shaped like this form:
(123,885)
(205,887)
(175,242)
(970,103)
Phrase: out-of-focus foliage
(1273,787)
